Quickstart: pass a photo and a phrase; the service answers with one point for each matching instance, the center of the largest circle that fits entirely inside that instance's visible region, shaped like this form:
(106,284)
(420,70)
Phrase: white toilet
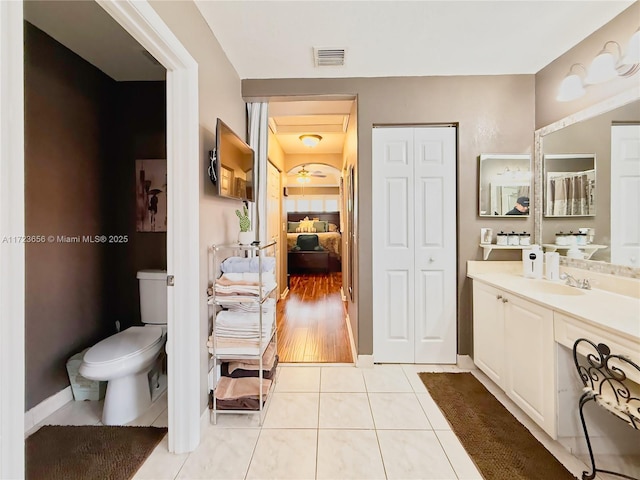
(125,359)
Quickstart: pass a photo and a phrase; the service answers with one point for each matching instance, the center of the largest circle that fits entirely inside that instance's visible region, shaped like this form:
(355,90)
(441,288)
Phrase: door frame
(142,22)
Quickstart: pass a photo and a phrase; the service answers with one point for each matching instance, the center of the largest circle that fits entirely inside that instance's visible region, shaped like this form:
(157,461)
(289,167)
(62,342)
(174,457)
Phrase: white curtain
(258,121)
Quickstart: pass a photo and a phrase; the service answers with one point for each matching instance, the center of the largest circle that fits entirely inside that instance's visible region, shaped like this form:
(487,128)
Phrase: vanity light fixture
(607,65)
(633,50)
(310,140)
(604,67)
(572,86)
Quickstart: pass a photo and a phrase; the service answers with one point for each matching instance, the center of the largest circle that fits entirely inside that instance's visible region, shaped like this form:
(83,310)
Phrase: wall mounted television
(231,165)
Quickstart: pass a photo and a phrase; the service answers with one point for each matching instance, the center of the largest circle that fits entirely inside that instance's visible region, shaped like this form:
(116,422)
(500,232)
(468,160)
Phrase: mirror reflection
(569,185)
(614,233)
(504,185)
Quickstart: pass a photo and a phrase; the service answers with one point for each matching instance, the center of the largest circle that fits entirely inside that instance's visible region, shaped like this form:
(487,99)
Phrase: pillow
(306,225)
(320,227)
(308,242)
(292,226)
(332,227)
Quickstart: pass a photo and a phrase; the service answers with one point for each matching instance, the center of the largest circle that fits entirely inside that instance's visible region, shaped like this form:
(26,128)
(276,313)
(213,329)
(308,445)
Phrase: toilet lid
(129,342)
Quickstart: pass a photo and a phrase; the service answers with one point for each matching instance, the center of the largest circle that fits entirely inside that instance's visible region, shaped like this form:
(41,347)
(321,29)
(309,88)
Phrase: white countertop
(617,313)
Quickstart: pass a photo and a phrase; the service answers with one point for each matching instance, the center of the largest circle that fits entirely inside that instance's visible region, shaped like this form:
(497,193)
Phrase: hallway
(311,321)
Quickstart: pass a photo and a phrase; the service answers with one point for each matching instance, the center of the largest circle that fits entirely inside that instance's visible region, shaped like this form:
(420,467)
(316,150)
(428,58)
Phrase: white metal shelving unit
(218,355)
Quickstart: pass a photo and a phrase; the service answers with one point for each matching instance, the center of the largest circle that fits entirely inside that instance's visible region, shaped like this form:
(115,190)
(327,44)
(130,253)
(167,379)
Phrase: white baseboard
(354,353)
(284,294)
(205,421)
(364,361)
(45,408)
(466,362)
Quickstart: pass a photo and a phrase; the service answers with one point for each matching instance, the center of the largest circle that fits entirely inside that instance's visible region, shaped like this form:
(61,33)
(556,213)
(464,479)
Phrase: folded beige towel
(229,388)
(268,358)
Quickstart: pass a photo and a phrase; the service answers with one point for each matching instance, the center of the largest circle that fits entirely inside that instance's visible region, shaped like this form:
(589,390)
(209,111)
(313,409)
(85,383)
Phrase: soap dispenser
(532,262)
(552,270)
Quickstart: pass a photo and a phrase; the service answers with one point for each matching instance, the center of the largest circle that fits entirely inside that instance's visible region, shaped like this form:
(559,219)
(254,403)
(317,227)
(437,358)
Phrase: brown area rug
(89,452)
(501,447)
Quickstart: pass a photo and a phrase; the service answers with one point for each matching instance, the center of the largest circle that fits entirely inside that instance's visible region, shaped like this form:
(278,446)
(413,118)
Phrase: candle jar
(513,239)
(525,239)
(581,239)
(501,239)
(561,239)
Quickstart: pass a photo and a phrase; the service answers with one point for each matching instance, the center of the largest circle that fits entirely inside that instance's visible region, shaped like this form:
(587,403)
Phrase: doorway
(313,142)
(143,23)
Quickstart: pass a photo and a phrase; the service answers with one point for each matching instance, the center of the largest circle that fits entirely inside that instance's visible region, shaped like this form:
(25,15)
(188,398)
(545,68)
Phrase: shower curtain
(570,193)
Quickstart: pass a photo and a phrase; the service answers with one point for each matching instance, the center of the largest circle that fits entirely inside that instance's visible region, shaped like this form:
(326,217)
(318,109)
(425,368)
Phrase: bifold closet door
(414,244)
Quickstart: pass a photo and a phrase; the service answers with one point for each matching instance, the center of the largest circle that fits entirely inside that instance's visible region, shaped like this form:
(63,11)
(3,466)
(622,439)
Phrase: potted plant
(246,235)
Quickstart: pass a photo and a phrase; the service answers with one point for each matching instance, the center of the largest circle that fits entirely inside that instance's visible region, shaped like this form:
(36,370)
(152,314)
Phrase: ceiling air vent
(326,57)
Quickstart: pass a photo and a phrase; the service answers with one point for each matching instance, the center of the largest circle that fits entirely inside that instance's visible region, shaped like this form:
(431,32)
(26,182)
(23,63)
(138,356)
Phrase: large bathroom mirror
(614,226)
(503,179)
(569,182)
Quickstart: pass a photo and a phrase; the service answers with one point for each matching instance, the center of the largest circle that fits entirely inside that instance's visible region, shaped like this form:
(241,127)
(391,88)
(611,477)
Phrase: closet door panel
(396,222)
(397,328)
(435,249)
(430,193)
(393,245)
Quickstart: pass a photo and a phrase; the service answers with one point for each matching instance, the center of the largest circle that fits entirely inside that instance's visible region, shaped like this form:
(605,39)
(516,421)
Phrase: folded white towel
(241,265)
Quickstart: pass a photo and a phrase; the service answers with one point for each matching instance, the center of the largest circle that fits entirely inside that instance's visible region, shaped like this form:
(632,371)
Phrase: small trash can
(83,388)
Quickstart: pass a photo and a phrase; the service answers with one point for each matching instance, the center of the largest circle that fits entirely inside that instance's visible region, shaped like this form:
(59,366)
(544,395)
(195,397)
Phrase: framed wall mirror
(569,184)
(503,180)
(611,132)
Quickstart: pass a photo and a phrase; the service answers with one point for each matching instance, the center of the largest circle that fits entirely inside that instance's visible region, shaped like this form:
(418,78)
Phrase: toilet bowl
(125,359)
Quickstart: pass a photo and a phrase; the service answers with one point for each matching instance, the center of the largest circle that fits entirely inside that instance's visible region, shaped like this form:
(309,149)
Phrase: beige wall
(495,114)
(219,96)
(548,109)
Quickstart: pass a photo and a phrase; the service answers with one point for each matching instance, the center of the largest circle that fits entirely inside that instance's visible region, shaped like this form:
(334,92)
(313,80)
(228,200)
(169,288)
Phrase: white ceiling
(327,118)
(86,29)
(275,39)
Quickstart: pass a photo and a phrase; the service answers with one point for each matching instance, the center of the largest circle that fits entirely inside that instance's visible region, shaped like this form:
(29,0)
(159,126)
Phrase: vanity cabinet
(488,332)
(530,358)
(514,347)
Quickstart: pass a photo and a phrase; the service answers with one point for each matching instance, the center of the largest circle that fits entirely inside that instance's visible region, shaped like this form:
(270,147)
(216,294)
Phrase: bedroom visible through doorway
(312,143)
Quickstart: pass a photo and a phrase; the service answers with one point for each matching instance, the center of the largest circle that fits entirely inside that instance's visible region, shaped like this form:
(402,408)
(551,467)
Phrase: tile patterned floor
(330,422)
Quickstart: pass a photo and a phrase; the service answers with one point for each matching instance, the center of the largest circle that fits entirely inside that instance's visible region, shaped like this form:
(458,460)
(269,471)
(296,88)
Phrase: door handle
(431,260)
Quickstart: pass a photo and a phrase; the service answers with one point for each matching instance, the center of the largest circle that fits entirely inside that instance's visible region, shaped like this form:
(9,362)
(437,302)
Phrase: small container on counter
(525,239)
(571,239)
(486,236)
(581,239)
(513,239)
(561,239)
(502,239)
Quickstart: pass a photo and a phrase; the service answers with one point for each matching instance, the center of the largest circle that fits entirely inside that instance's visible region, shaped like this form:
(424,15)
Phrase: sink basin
(557,289)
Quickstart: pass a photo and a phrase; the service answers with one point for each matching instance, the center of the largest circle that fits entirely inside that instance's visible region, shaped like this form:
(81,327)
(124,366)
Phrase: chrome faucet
(574,282)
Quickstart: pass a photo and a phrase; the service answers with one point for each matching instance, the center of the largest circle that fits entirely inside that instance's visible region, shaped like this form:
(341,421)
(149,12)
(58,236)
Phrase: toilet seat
(129,343)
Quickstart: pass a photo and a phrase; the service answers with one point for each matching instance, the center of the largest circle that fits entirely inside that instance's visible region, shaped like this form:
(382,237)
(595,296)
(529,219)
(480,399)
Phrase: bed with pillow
(324,224)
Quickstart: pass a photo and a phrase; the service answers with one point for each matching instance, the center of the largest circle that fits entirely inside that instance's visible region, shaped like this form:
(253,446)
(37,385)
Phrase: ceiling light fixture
(310,140)
(608,64)
(304,176)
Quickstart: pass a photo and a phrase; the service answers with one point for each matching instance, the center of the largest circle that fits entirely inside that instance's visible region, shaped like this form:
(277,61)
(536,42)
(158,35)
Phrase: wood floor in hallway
(311,321)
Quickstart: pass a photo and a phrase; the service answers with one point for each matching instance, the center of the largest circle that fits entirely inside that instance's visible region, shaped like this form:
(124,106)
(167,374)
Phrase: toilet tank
(153,296)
